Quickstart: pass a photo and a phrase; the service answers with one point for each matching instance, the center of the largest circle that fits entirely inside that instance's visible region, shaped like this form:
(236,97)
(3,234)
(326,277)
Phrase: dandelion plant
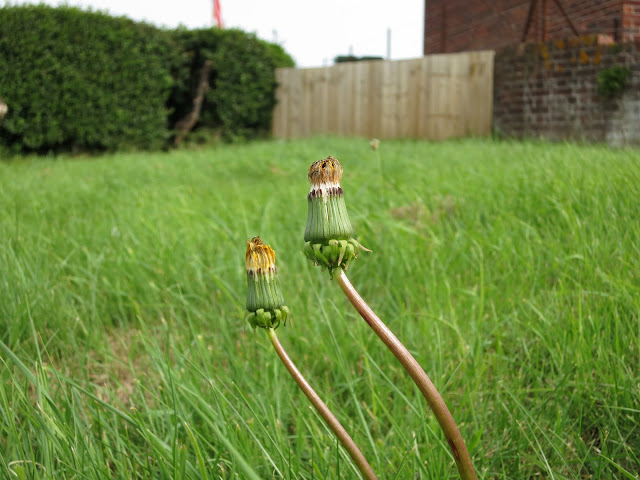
(330,244)
(329,234)
(266,309)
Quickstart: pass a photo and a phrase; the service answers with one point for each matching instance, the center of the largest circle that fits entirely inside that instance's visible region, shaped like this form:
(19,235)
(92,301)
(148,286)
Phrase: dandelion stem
(413,368)
(331,420)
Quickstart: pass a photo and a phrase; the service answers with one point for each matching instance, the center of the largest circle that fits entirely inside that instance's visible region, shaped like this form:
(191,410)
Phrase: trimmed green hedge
(78,80)
(242,80)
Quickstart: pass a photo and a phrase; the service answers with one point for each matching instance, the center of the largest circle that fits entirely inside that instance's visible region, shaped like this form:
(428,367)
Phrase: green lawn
(510,270)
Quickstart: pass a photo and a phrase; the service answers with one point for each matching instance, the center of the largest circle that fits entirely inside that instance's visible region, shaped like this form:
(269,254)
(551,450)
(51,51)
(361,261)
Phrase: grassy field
(510,270)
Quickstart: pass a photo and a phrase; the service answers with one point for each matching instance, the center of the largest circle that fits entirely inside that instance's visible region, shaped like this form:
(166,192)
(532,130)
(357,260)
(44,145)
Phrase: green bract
(336,254)
(327,217)
(268,318)
(263,291)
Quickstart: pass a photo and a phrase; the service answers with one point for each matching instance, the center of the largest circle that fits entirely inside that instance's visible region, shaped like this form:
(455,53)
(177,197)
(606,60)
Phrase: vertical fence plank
(433,97)
(413,99)
(385,99)
(402,119)
(344,99)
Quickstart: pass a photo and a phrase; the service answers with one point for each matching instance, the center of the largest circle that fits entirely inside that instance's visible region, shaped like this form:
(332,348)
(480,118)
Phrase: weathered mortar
(550,90)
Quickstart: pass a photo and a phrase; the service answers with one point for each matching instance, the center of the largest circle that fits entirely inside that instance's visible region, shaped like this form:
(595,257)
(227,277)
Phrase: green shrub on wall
(612,81)
(82,80)
(242,80)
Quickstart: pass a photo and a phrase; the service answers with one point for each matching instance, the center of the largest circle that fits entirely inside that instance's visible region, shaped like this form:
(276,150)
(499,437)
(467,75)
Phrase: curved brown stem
(413,368)
(331,420)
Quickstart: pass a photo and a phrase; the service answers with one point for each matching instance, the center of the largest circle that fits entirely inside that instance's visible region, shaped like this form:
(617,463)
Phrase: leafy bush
(82,80)
(612,81)
(242,80)
(196,47)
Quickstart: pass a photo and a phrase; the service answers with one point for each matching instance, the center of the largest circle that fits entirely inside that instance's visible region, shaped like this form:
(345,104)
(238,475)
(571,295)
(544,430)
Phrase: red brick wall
(631,20)
(550,90)
(461,25)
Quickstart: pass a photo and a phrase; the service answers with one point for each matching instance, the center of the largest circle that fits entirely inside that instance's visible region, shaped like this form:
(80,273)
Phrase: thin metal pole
(545,10)
(527,23)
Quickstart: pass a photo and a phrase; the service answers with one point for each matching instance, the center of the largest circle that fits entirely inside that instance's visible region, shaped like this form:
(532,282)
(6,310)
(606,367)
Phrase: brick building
(462,25)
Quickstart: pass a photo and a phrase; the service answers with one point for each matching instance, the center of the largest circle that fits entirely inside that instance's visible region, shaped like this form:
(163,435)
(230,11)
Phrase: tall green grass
(510,270)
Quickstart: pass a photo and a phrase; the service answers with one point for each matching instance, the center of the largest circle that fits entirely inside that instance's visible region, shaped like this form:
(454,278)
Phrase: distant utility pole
(388,44)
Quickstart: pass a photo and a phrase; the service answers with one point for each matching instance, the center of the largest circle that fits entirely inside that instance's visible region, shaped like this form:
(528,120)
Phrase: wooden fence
(433,97)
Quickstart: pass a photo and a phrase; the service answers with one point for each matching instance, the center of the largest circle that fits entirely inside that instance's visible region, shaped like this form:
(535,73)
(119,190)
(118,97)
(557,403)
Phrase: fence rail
(433,97)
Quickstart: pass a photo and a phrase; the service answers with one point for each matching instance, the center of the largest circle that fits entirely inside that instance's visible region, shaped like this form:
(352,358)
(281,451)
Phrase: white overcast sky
(313,32)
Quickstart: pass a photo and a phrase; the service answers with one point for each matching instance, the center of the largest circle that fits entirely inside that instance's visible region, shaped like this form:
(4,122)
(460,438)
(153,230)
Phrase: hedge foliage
(81,80)
(242,80)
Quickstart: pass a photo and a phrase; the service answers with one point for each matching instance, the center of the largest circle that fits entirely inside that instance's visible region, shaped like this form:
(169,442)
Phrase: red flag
(217,14)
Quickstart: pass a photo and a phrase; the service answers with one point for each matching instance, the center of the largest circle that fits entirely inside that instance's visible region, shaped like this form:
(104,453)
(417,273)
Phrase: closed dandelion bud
(329,234)
(327,217)
(264,298)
